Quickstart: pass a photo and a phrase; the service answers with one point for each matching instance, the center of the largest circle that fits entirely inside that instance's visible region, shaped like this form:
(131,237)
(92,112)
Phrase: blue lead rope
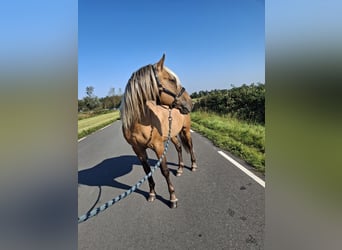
(109,203)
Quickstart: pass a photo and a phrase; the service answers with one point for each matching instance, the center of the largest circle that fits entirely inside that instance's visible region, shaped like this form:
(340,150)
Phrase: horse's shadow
(106,173)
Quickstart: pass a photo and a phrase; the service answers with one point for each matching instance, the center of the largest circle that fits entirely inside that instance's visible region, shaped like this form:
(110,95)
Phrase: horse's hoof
(173,204)
(194,167)
(179,173)
(151,198)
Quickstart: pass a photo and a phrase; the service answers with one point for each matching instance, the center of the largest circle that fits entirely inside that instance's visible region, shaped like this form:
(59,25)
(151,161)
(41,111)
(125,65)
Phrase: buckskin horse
(145,119)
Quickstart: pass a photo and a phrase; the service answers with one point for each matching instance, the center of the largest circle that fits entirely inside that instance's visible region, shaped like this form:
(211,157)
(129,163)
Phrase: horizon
(231,86)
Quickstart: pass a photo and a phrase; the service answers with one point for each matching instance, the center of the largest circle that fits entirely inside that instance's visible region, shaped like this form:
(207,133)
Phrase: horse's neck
(160,111)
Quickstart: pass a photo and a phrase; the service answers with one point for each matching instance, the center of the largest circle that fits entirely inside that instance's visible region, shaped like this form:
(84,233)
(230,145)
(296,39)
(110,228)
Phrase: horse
(143,117)
(184,121)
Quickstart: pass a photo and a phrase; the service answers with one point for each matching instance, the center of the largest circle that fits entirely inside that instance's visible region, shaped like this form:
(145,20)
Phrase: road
(219,206)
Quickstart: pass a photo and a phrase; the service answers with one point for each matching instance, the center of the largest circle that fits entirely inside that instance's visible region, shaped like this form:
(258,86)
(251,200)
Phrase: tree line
(92,103)
(246,102)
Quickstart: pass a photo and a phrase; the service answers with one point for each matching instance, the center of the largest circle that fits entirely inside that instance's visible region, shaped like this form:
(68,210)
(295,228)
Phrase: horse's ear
(160,64)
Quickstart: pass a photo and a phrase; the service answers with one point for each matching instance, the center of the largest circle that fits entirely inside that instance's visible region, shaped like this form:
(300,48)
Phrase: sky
(208,44)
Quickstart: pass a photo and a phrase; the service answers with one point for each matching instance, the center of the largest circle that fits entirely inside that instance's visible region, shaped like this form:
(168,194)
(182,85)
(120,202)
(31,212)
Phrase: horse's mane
(141,87)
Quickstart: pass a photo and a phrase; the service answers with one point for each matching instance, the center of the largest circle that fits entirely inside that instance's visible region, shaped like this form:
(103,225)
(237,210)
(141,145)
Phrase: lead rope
(109,203)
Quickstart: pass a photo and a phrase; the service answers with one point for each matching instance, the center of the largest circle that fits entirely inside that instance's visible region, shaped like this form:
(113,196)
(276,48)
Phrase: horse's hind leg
(166,173)
(142,155)
(186,134)
(192,154)
(178,147)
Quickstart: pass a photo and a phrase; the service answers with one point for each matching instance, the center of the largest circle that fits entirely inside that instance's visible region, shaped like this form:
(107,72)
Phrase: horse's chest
(148,136)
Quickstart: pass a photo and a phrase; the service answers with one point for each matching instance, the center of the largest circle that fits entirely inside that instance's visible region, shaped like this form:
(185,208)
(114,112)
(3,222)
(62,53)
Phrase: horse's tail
(185,141)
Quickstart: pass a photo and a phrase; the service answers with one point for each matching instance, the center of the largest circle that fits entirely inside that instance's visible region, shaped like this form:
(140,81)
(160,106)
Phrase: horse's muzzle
(185,109)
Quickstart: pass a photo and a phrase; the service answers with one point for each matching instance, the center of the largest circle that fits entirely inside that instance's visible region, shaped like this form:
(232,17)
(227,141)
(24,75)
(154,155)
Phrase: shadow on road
(106,173)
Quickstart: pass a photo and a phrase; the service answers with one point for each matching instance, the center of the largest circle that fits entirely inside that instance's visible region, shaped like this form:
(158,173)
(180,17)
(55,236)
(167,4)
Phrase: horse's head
(171,92)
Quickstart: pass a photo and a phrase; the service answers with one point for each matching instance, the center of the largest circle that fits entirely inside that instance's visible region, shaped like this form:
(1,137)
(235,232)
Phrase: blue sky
(208,44)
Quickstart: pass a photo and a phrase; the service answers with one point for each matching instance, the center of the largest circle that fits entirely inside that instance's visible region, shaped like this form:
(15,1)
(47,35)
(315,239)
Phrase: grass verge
(240,138)
(89,125)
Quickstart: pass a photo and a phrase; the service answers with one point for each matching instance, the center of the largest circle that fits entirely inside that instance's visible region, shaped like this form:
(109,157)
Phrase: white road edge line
(98,130)
(81,139)
(105,127)
(243,169)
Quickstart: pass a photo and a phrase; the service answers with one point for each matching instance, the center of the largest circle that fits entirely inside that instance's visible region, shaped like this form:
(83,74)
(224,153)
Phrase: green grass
(240,138)
(87,126)
(92,113)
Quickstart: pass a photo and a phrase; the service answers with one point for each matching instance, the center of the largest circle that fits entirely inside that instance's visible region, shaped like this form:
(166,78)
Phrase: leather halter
(167,91)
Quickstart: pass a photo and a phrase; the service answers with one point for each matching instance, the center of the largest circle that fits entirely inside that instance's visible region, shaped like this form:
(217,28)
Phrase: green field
(87,126)
(240,138)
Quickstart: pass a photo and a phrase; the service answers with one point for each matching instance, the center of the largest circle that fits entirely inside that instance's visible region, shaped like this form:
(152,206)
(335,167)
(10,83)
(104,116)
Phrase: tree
(81,105)
(194,95)
(111,95)
(91,101)
(89,91)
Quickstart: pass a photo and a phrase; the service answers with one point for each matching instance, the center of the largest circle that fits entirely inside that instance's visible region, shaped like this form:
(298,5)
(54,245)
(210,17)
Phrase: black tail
(186,144)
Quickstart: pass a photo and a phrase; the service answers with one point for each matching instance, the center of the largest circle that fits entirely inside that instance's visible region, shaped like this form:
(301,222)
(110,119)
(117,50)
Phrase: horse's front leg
(178,147)
(166,173)
(142,155)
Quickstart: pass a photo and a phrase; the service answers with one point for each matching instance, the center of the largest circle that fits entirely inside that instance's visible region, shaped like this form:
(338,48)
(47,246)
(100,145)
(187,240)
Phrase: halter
(167,91)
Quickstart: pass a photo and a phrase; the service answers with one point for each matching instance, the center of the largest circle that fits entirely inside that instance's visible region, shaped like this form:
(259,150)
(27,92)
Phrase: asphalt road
(219,206)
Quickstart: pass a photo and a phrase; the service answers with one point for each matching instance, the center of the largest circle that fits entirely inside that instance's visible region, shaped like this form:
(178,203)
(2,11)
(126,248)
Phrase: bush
(246,102)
